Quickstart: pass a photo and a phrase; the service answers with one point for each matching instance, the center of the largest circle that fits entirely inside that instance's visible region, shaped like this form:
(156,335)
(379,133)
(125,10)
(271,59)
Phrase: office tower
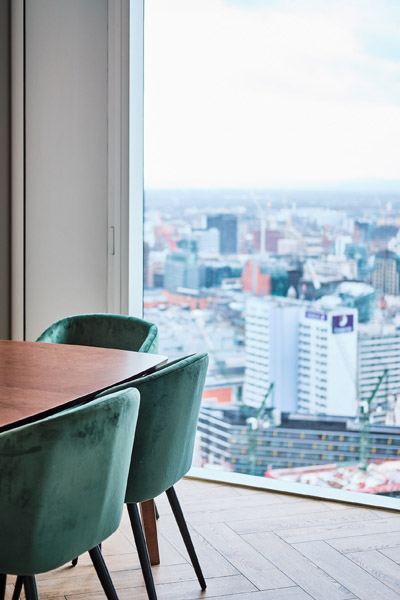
(379,370)
(327,374)
(271,339)
(386,273)
(227,226)
(208,240)
(256,278)
(175,267)
(263,278)
(182,271)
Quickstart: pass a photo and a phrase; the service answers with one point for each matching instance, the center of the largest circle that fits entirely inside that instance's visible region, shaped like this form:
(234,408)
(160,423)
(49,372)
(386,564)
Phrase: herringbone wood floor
(252,545)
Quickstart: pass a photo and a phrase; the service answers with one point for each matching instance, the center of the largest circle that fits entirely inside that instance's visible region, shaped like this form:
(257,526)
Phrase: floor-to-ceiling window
(272,230)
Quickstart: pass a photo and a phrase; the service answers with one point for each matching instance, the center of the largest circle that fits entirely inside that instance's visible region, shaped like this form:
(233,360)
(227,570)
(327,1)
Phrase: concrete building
(256,278)
(208,240)
(386,273)
(182,271)
(327,362)
(271,339)
(226,440)
(227,226)
(379,357)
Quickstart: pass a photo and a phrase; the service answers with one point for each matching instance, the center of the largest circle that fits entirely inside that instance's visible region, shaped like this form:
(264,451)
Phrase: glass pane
(272,229)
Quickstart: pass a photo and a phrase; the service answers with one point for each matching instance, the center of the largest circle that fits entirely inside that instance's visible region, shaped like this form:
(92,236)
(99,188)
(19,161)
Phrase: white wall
(67,166)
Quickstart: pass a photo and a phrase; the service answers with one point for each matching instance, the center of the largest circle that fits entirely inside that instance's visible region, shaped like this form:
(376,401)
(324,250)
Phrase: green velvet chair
(62,488)
(105,331)
(163,449)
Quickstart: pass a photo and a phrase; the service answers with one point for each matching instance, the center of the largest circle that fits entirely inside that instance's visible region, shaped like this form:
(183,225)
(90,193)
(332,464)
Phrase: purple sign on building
(315,314)
(342,323)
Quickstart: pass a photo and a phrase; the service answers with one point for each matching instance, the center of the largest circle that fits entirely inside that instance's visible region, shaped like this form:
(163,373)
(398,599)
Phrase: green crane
(365,420)
(256,421)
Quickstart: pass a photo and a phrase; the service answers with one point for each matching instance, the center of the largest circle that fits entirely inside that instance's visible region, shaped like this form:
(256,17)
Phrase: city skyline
(303,331)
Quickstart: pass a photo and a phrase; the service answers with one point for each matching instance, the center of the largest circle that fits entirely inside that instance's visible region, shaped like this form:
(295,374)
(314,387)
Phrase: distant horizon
(384,186)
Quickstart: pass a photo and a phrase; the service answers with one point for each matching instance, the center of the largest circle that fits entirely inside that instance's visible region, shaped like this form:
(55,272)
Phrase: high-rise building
(227,226)
(256,278)
(208,240)
(182,271)
(386,273)
(327,359)
(379,371)
(271,340)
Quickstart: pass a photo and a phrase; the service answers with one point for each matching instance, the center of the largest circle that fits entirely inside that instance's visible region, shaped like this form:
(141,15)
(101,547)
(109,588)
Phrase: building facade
(327,359)
(379,373)
(227,226)
(271,340)
(226,440)
(386,273)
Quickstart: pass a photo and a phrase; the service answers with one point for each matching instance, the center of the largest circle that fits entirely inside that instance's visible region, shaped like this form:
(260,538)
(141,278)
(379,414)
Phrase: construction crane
(365,421)
(259,419)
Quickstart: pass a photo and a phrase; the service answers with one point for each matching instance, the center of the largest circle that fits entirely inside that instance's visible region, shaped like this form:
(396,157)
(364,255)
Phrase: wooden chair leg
(149,515)
(183,528)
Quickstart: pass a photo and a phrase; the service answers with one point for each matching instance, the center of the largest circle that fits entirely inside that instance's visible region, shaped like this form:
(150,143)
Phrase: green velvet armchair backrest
(165,434)
(63,482)
(105,331)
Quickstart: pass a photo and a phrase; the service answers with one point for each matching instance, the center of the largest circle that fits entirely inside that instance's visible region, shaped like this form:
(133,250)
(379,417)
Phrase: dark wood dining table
(39,379)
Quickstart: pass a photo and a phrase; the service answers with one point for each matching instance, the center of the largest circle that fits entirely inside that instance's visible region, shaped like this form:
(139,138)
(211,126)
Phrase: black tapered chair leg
(143,553)
(18,588)
(183,528)
(3,582)
(31,592)
(156,511)
(74,561)
(102,573)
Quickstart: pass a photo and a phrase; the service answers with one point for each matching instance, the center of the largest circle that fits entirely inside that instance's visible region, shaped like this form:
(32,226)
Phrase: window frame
(132,268)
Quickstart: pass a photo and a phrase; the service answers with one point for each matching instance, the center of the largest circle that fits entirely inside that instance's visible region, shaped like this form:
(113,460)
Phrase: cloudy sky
(254,93)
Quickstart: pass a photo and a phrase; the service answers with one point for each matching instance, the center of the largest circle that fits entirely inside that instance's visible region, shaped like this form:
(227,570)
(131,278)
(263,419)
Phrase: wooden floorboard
(252,545)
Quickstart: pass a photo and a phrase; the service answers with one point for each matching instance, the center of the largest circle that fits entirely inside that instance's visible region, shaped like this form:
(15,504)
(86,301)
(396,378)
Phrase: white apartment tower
(272,326)
(327,362)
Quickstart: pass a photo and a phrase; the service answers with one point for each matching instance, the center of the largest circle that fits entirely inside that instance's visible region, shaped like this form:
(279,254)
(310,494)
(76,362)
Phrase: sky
(271,93)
